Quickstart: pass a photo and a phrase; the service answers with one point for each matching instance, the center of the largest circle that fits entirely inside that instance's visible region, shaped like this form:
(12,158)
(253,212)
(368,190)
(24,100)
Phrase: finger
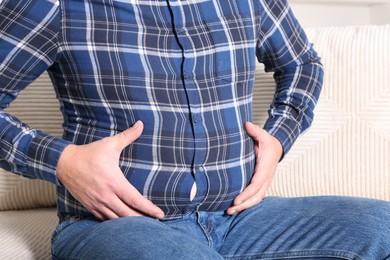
(253,130)
(118,208)
(128,136)
(130,196)
(259,178)
(107,214)
(250,191)
(247,204)
(110,206)
(250,202)
(264,139)
(98,215)
(126,211)
(98,204)
(262,178)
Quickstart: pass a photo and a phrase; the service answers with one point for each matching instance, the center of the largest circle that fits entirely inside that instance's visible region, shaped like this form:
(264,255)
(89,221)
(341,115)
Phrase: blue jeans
(277,228)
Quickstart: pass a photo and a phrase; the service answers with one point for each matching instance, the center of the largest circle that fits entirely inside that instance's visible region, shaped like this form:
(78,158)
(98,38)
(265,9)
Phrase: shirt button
(185,75)
(199,169)
(180,30)
(195,119)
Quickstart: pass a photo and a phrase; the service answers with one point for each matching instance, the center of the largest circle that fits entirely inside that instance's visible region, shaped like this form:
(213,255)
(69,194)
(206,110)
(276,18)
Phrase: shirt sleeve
(284,49)
(28,47)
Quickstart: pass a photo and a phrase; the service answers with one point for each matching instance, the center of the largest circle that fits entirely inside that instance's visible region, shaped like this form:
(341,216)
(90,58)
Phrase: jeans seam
(205,231)
(339,254)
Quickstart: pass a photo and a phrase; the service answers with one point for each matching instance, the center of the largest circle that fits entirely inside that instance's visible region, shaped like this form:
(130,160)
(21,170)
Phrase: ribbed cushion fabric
(26,234)
(346,151)
(19,193)
(38,107)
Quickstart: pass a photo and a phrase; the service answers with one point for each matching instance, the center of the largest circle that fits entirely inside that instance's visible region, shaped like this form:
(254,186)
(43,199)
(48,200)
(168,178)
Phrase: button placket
(188,77)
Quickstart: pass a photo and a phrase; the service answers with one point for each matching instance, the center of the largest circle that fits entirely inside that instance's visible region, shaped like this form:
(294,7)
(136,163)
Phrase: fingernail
(160,216)
(136,125)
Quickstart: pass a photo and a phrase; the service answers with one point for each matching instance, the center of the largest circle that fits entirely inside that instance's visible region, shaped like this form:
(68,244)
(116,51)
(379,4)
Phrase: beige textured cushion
(25,234)
(38,107)
(346,151)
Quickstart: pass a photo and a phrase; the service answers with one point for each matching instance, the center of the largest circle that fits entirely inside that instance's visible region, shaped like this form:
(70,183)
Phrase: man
(187,180)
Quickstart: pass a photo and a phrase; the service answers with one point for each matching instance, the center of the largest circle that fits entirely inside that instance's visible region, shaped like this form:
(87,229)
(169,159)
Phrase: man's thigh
(311,227)
(126,238)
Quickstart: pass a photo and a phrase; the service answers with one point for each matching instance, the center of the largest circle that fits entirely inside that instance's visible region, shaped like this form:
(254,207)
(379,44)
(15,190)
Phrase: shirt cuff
(286,130)
(43,154)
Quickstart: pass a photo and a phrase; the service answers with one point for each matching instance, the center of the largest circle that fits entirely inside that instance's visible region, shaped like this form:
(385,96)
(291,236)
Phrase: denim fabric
(277,228)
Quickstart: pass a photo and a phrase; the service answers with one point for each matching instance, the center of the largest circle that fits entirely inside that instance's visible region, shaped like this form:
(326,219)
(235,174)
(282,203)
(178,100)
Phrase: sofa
(345,152)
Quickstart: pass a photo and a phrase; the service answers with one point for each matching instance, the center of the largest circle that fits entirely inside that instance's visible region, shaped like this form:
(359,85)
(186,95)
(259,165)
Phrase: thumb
(253,130)
(128,136)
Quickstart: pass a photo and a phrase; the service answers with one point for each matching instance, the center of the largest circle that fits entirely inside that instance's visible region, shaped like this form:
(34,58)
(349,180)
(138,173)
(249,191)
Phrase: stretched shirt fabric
(185,68)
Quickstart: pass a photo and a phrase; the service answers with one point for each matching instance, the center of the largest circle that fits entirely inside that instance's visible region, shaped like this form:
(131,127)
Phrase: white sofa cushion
(346,151)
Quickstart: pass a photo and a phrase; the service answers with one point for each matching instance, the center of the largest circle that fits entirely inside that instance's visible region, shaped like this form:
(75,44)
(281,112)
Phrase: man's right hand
(92,175)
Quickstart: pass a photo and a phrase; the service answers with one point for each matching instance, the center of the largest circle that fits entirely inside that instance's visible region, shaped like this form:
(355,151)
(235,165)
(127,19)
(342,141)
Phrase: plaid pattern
(185,68)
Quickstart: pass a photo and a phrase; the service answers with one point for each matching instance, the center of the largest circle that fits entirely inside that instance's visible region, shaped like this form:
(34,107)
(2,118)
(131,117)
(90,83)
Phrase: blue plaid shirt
(185,68)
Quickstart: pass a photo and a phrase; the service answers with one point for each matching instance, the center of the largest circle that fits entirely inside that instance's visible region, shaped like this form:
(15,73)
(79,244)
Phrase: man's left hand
(268,151)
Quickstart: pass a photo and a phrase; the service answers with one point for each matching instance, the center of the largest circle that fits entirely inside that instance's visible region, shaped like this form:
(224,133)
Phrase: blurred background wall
(318,13)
